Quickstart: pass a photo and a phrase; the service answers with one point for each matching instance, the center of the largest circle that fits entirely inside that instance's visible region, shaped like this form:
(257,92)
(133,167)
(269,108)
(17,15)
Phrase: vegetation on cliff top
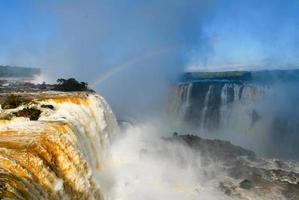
(31,113)
(70,85)
(14,101)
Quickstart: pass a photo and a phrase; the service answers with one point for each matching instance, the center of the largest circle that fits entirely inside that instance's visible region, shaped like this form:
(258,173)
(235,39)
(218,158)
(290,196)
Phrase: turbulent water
(56,156)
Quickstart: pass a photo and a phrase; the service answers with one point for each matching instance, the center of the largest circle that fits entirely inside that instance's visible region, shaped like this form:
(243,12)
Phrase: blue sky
(133,49)
(23,26)
(252,34)
(211,35)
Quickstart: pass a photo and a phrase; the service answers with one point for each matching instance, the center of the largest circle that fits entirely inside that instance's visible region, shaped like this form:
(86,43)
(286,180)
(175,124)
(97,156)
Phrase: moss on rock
(31,113)
(14,101)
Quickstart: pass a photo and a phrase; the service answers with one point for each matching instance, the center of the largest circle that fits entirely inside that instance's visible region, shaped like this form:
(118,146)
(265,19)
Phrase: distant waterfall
(56,156)
(209,105)
(205,107)
(224,109)
(181,102)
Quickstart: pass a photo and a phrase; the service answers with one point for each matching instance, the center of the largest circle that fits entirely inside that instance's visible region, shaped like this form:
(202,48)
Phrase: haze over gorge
(59,143)
(149,100)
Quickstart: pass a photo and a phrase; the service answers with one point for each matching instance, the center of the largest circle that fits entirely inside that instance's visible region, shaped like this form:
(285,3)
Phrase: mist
(265,121)
(132,51)
(143,165)
(276,133)
(129,51)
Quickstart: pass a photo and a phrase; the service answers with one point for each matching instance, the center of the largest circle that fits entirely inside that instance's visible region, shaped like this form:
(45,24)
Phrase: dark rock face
(246,184)
(261,76)
(31,113)
(218,150)
(245,171)
(48,106)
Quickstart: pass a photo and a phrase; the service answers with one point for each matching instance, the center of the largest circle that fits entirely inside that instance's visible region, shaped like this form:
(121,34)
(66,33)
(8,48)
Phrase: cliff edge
(51,144)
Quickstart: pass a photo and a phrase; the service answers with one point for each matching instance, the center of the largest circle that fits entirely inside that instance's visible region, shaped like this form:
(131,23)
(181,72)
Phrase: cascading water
(253,109)
(210,104)
(66,154)
(182,103)
(55,157)
(224,110)
(205,108)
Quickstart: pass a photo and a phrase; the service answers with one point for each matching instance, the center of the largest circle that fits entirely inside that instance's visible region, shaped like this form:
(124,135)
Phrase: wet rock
(47,106)
(216,149)
(224,188)
(246,184)
(31,113)
(245,173)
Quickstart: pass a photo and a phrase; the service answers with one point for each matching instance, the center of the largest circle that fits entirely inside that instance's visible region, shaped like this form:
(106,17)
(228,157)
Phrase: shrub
(6,116)
(14,101)
(31,113)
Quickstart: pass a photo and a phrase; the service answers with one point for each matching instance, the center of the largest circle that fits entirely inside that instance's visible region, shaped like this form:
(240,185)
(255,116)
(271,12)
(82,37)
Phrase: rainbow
(119,67)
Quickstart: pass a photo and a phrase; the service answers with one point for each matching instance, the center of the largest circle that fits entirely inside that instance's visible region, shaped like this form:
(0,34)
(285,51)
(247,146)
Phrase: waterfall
(212,105)
(205,108)
(181,102)
(237,92)
(186,93)
(224,104)
(56,156)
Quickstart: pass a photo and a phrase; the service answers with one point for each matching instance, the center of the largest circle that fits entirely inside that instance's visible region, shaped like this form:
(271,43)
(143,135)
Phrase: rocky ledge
(246,175)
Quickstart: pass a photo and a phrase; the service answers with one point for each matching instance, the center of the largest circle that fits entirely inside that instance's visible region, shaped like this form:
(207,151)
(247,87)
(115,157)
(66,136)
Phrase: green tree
(71,84)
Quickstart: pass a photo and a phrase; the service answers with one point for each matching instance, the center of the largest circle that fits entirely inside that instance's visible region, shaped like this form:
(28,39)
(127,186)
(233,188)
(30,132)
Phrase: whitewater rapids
(56,156)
